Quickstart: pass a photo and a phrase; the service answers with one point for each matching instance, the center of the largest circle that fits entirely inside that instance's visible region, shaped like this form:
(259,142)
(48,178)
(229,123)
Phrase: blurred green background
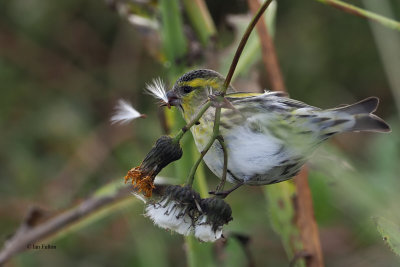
(63,66)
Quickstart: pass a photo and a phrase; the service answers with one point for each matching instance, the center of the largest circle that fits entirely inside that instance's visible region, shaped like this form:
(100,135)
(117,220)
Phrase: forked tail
(364,119)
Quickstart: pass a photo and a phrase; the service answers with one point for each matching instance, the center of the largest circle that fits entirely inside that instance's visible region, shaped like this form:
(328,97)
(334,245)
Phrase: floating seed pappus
(124,113)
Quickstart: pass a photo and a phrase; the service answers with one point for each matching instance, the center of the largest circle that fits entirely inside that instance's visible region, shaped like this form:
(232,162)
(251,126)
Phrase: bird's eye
(186,89)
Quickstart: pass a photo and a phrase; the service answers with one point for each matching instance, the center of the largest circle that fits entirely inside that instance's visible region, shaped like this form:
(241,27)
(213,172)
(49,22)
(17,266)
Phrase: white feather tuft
(157,89)
(124,113)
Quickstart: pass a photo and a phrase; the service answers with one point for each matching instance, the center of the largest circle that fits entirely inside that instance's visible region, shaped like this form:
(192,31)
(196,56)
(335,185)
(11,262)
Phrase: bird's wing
(243,95)
(271,107)
(267,101)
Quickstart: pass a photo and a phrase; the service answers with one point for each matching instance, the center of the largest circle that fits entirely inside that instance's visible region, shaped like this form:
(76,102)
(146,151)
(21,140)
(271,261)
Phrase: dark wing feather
(268,101)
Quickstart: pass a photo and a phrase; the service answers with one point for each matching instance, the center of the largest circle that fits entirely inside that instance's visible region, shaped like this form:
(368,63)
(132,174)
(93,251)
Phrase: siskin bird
(268,136)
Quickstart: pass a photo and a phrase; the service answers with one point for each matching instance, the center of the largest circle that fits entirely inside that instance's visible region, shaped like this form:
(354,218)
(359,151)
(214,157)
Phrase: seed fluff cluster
(157,89)
(124,113)
(182,210)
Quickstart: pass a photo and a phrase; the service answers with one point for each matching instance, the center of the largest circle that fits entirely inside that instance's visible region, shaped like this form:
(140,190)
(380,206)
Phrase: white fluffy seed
(124,113)
(157,89)
(204,232)
(170,216)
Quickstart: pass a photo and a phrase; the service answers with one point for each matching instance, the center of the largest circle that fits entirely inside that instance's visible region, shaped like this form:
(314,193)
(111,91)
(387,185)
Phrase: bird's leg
(218,191)
(224,194)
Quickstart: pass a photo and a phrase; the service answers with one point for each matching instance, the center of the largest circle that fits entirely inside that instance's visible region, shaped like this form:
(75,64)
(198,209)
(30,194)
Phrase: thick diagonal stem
(197,163)
(178,136)
(269,56)
(353,10)
(243,42)
(227,81)
(207,147)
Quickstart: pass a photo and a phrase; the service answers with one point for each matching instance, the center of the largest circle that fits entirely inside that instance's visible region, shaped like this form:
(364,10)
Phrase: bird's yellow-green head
(192,89)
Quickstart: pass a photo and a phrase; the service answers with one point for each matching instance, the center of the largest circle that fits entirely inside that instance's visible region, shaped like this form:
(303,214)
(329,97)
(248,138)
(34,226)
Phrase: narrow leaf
(390,233)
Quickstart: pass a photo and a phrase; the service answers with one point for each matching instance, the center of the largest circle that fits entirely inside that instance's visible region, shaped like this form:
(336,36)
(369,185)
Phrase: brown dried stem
(258,13)
(305,221)
(269,56)
(29,233)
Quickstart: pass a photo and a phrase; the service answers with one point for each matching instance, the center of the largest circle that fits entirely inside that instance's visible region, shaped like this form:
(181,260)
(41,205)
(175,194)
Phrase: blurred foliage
(64,64)
(282,213)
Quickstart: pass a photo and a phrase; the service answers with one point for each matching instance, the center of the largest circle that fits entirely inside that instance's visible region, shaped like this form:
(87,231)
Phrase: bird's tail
(364,119)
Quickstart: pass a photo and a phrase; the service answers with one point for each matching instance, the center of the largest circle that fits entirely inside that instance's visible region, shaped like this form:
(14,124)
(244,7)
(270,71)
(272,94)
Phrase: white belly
(252,157)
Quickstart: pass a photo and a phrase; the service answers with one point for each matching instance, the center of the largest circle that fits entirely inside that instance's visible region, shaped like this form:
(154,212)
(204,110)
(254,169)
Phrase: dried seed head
(165,151)
(182,210)
(216,213)
(177,209)
(217,210)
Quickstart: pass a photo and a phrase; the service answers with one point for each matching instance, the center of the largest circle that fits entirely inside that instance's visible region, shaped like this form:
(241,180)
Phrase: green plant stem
(197,163)
(242,43)
(220,186)
(227,81)
(201,181)
(214,137)
(390,23)
(178,136)
(217,116)
(269,54)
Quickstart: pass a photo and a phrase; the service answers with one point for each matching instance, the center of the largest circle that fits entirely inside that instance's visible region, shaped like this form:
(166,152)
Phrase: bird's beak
(173,99)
